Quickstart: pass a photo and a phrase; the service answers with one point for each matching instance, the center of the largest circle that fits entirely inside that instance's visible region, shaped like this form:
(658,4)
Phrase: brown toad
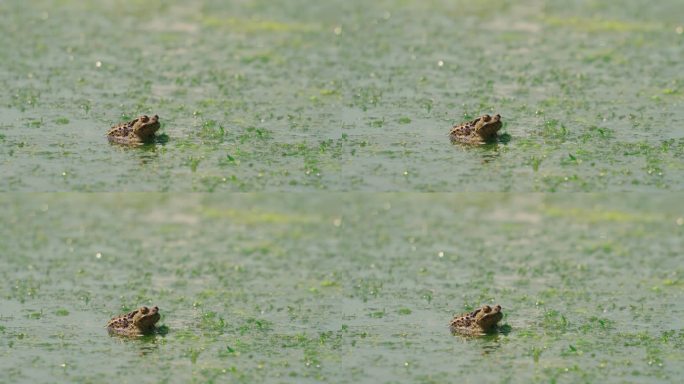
(138,131)
(481,130)
(137,323)
(477,322)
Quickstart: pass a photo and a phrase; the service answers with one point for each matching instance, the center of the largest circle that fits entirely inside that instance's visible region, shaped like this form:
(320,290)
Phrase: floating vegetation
(266,286)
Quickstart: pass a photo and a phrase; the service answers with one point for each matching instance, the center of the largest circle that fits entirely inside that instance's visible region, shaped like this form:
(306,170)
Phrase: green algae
(342,287)
(262,96)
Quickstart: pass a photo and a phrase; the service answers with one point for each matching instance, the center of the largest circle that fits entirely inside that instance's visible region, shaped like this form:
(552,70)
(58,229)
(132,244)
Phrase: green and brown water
(342,288)
(342,100)
(302,95)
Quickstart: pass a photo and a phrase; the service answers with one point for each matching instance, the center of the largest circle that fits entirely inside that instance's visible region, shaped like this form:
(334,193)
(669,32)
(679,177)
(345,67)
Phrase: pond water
(342,95)
(339,263)
(342,288)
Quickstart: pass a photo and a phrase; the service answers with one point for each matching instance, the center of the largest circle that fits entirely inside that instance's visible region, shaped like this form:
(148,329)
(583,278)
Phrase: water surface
(342,288)
(342,95)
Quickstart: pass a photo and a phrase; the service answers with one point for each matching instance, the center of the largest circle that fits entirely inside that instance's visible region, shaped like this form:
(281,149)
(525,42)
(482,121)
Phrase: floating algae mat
(342,95)
(342,288)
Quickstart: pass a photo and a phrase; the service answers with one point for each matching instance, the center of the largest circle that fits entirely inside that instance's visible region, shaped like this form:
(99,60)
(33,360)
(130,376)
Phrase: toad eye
(487,309)
(144,310)
(486,118)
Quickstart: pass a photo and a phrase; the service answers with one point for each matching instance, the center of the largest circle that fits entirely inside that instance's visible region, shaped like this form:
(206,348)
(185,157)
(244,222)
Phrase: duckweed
(255,80)
(339,287)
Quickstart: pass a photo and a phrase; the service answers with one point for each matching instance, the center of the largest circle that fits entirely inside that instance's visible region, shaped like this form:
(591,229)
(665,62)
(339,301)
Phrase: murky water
(342,95)
(343,100)
(342,288)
